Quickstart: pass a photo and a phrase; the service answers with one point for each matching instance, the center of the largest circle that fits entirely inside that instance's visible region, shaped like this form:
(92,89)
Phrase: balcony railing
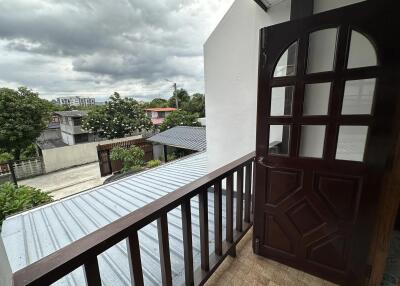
(84,252)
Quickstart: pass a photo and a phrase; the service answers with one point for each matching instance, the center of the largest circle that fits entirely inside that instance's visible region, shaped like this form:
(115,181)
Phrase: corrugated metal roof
(34,234)
(186,137)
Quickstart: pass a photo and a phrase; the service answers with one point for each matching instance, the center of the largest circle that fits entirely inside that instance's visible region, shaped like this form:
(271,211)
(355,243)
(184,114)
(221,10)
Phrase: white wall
(68,138)
(231,75)
(325,5)
(231,61)
(70,156)
(5,268)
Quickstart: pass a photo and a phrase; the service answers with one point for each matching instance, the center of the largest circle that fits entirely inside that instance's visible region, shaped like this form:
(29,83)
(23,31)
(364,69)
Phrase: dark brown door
(328,87)
(104,162)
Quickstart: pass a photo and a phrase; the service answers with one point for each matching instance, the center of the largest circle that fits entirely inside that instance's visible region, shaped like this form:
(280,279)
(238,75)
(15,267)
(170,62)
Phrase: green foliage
(196,105)
(29,152)
(183,98)
(179,118)
(16,199)
(153,164)
(171,157)
(136,169)
(131,157)
(54,106)
(158,102)
(5,157)
(23,116)
(117,118)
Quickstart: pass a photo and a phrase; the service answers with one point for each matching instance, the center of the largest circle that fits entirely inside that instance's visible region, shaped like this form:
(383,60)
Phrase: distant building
(71,128)
(76,101)
(158,115)
(51,136)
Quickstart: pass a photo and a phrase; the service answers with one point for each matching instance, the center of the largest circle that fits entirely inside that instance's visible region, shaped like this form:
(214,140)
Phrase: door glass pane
(351,143)
(322,50)
(362,52)
(316,99)
(279,138)
(312,141)
(287,63)
(359,96)
(281,100)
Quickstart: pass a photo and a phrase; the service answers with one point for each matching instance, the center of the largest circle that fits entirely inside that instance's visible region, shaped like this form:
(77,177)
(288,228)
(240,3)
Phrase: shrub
(5,157)
(16,199)
(153,163)
(131,157)
(136,169)
(171,157)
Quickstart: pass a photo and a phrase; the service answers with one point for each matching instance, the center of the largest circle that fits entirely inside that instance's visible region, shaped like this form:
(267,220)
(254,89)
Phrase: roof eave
(262,5)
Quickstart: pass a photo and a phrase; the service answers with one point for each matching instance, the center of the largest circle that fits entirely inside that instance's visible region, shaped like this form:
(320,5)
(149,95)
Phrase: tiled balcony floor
(250,269)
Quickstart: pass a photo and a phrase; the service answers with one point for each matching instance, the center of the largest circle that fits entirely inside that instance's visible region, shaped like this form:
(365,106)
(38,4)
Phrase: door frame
(387,207)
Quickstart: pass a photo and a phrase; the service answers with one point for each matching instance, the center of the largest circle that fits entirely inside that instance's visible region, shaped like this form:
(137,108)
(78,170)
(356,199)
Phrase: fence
(5,174)
(85,251)
(28,168)
(22,169)
(108,167)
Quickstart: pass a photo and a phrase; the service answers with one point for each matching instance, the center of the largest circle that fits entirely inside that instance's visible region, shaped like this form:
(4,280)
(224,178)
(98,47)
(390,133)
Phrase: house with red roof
(157,115)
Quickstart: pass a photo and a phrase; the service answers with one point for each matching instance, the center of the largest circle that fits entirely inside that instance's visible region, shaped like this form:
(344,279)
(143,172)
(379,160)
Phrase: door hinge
(257,245)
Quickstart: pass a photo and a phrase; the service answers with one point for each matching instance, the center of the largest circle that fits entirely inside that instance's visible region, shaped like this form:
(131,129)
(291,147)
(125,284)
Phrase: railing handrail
(62,262)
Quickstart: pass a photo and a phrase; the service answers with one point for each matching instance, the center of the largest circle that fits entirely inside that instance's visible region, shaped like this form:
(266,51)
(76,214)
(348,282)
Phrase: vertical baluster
(229,208)
(254,191)
(135,262)
(165,260)
(247,194)
(92,272)
(203,208)
(218,218)
(239,200)
(187,242)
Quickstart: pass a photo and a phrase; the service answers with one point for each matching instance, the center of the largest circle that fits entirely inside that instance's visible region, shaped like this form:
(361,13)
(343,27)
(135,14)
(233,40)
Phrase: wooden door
(104,162)
(328,88)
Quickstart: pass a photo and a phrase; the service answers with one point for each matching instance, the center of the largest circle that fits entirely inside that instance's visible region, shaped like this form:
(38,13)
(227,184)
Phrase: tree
(196,105)
(57,107)
(132,157)
(117,118)
(179,118)
(23,116)
(183,98)
(158,102)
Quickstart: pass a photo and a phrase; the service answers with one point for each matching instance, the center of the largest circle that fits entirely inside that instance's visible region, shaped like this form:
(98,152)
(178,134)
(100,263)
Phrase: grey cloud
(127,43)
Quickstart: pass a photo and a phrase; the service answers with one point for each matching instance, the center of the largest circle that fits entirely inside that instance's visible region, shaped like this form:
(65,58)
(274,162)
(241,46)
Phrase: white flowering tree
(117,118)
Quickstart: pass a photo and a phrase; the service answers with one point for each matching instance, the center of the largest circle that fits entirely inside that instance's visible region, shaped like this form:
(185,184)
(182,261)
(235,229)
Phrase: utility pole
(175,93)
(176,96)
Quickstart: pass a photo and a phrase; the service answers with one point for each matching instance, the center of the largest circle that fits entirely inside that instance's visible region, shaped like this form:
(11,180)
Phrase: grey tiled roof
(50,144)
(192,138)
(36,233)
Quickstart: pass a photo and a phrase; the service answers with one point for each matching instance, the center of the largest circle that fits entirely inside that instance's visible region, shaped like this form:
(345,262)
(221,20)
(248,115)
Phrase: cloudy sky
(96,47)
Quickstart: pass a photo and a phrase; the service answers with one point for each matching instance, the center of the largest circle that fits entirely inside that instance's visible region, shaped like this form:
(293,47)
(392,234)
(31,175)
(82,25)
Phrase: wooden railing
(84,252)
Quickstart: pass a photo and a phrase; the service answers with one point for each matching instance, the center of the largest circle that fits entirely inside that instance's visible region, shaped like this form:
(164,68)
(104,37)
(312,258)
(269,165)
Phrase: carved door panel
(328,88)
